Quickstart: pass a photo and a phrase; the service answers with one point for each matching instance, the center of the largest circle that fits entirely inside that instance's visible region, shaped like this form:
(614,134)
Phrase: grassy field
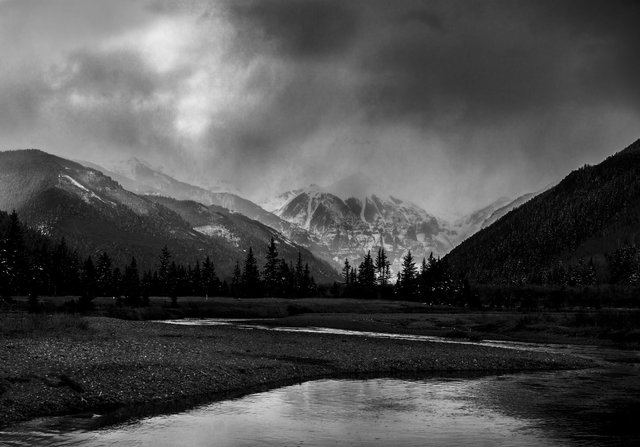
(602,326)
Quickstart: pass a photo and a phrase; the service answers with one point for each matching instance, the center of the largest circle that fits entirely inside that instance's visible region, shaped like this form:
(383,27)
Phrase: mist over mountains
(133,209)
(331,225)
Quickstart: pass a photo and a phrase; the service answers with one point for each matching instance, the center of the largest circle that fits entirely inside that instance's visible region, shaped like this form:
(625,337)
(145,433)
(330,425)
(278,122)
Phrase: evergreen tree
(116,283)
(299,277)
(347,275)
(251,276)
(173,283)
(346,272)
(210,281)
(270,273)
(89,284)
(407,283)
(366,277)
(131,284)
(286,281)
(306,286)
(103,273)
(163,271)
(382,267)
(236,281)
(146,287)
(13,257)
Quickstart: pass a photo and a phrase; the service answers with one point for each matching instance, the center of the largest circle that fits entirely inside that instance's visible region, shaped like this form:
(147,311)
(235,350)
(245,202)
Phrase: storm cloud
(448,103)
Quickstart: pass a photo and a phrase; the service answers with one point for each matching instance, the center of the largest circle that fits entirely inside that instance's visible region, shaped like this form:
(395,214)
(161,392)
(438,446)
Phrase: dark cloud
(501,61)
(484,98)
(429,19)
(305,29)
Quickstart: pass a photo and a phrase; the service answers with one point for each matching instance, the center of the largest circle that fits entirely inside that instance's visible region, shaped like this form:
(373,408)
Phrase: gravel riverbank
(114,364)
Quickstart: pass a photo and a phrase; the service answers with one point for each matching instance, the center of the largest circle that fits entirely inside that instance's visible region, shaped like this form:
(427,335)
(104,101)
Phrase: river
(592,407)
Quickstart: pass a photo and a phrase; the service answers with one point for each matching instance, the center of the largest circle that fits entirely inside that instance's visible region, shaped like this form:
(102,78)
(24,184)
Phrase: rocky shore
(114,365)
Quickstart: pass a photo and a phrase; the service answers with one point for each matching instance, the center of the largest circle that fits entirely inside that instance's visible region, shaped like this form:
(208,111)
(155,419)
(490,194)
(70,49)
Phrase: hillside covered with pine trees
(583,231)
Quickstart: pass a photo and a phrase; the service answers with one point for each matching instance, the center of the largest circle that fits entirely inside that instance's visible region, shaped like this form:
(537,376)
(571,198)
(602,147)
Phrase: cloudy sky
(448,103)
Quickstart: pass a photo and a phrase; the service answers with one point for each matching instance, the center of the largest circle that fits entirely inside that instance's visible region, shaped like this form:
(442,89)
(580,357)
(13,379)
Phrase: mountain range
(94,212)
(133,209)
(331,227)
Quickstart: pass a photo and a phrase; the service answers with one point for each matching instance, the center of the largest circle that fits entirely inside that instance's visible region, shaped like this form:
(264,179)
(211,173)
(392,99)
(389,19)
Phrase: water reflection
(515,410)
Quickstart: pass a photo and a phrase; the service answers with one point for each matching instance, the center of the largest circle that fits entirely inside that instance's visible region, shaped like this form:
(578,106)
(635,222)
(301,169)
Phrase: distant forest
(34,265)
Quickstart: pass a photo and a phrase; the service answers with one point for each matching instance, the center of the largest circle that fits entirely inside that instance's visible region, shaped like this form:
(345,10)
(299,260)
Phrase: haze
(451,104)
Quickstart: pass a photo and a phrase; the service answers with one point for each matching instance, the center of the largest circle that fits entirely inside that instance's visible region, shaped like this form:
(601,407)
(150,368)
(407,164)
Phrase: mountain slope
(594,210)
(471,223)
(243,232)
(93,212)
(504,210)
(139,177)
(348,228)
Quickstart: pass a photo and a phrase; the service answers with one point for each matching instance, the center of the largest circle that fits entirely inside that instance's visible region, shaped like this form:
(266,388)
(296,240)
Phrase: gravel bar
(117,364)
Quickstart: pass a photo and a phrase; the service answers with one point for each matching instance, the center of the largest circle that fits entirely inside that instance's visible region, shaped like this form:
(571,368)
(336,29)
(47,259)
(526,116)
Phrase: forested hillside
(582,231)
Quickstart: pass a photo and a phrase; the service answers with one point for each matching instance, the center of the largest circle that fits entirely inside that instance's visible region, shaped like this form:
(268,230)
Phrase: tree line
(31,264)
(432,282)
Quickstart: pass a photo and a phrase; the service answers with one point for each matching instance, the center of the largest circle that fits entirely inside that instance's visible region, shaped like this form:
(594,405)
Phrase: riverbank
(101,364)
(609,328)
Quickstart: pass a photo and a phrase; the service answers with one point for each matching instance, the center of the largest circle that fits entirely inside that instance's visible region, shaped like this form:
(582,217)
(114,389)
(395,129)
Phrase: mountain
(471,223)
(239,230)
(503,210)
(589,214)
(138,176)
(62,198)
(348,228)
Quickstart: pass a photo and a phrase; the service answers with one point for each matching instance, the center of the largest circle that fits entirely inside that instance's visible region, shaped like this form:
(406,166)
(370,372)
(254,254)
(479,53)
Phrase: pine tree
(286,281)
(346,272)
(347,275)
(299,277)
(382,267)
(89,283)
(251,276)
(236,281)
(116,283)
(131,284)
(270,271)
(146,287)
(210,281)
(307,283)
(14,257)
(407,285)
(173,283)
(103,275)
(366,277)
(163,271)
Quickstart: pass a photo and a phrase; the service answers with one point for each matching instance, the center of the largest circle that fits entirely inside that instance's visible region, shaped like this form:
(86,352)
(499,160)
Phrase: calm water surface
(595,407)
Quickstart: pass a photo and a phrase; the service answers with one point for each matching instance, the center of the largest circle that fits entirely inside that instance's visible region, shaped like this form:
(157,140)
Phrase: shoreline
(140,368)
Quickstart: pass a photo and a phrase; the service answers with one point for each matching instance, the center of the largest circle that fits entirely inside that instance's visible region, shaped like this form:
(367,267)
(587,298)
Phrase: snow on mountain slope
(471,223)
(350,227)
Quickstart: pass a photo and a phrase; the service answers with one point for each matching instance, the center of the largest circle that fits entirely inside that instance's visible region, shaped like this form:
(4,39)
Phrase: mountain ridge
(63,198)
(591,212)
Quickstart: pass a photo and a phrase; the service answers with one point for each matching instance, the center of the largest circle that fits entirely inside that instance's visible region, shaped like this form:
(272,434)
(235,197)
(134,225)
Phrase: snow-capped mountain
(349,227)
(332,226)
(140,177)
(95,213)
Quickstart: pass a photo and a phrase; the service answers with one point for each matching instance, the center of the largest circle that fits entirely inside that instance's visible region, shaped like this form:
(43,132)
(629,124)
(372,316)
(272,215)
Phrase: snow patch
(219,231)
